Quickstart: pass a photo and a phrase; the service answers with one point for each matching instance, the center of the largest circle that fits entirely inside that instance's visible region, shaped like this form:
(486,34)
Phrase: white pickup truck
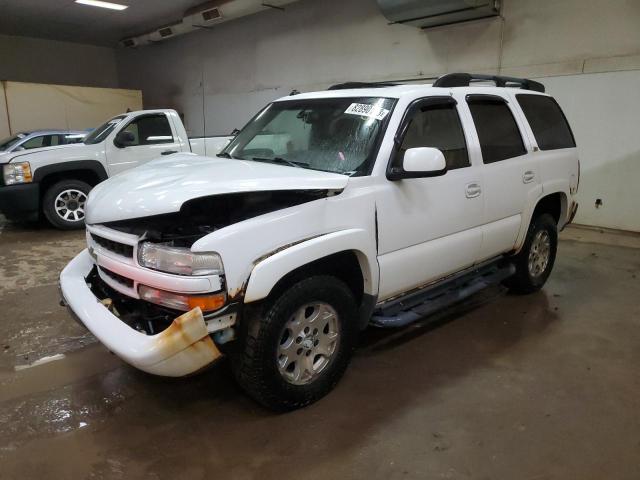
(55,181)
(364,204)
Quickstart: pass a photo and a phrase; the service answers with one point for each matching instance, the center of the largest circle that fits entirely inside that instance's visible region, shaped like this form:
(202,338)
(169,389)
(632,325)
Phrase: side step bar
(418,304)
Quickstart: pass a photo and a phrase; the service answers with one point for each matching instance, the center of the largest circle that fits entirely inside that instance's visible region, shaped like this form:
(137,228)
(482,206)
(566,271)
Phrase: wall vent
(211,15)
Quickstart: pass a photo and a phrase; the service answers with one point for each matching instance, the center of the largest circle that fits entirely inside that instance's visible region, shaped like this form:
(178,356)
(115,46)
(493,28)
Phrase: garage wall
(4,117)
(218,78)
(33,106)
(25,59)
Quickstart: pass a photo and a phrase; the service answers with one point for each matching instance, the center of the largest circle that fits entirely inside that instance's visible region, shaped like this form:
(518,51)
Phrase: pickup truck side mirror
(420,162)
(124,139)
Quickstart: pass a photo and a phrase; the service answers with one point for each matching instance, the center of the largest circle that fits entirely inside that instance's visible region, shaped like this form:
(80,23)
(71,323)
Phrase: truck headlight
(15,173)
(178,260)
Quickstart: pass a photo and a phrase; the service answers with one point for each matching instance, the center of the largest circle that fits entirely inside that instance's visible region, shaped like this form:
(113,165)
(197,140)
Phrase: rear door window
(498,132)
(547,122)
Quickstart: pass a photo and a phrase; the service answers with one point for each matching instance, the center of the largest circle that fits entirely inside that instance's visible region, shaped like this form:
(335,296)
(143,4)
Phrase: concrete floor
(545,386)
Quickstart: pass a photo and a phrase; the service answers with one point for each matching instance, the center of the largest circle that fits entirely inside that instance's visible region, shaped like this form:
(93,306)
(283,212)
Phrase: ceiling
(69,21)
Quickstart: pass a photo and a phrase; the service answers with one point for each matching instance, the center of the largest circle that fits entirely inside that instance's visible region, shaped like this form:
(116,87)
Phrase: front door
(153,137)
(430,227)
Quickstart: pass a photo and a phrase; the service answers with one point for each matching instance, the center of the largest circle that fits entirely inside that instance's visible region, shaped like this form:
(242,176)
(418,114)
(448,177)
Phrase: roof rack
(349,85)
(465,79)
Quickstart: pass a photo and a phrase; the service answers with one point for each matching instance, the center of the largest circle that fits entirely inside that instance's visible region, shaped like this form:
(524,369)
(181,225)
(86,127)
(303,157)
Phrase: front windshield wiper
(223,155)
(280,160)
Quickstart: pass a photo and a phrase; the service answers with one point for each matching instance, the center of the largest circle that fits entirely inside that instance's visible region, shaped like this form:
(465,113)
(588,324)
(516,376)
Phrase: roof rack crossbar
(349,85)
(465,79)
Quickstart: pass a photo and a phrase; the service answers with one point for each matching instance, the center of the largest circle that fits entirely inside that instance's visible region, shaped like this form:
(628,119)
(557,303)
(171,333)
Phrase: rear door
(510,170)
(153,137)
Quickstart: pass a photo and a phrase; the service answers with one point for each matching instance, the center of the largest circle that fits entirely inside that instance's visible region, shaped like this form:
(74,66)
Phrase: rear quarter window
(548,123)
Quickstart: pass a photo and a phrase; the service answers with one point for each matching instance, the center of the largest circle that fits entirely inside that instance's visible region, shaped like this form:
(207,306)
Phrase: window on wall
(497,129)
(436,126)
(547,121)
(150,130)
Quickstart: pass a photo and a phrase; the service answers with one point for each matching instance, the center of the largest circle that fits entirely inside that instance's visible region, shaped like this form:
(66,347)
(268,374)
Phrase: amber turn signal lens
(207,303)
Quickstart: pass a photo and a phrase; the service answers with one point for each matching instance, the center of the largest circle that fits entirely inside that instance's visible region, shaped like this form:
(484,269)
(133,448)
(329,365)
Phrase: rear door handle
(528,176)
(169,152)
(472,190)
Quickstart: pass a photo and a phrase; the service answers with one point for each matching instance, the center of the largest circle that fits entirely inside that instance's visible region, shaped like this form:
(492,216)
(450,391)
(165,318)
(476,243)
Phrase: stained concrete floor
(545,386)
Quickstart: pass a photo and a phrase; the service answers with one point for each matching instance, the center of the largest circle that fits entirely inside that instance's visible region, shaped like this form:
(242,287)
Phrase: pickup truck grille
(127,282)
(115,247)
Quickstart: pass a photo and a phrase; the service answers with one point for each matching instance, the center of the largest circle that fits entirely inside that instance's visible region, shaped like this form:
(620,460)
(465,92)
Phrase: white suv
(364,204)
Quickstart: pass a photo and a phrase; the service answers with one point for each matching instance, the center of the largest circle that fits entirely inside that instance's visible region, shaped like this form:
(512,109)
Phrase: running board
(419,304)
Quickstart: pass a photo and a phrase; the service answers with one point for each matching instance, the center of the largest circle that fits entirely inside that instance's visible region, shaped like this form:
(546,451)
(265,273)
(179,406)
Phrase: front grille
(115,247)
(127,282)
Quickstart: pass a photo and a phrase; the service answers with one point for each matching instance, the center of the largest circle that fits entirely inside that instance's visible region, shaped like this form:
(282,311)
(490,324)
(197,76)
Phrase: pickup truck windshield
(7,143)
(338,135)
(100,133)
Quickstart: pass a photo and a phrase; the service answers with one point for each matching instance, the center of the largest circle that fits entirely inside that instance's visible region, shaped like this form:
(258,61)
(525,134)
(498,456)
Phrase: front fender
(268,270)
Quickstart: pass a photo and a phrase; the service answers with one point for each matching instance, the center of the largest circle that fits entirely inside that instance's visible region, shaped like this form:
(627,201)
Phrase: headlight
(17,173)
(181,261)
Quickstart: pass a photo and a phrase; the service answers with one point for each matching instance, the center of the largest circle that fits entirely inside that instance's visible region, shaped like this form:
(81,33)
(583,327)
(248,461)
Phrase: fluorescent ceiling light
(97,3)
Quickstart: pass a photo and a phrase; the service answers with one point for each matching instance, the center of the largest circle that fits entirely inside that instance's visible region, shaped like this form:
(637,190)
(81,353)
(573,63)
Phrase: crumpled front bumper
(183,348)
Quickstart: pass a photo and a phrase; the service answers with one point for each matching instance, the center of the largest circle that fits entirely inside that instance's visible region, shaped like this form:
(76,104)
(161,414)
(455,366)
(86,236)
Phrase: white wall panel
(603,111)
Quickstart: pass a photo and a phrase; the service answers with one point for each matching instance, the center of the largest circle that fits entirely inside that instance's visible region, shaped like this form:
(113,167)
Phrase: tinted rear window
(547,121)
(497,129)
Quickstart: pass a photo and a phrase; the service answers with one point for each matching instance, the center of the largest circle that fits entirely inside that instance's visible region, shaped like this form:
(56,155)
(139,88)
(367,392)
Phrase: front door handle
(169,152)
(528,176)
(473,190)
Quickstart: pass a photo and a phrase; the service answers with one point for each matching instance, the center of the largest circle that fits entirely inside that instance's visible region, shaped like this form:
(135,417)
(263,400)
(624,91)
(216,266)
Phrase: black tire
(524,280)
(52,212)
(255,360)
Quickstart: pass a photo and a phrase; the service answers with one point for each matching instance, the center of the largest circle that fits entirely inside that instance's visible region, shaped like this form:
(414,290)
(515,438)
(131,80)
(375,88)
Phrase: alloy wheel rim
(308,342)
(540,253)
(69,205)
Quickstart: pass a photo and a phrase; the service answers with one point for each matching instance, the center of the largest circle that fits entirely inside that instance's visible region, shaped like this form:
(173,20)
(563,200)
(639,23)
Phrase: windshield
(103,131)
(338,135)
(7,143)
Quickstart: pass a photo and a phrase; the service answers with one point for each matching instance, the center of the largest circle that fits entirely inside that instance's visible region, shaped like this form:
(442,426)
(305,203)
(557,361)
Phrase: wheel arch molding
(269,270)
(91,167)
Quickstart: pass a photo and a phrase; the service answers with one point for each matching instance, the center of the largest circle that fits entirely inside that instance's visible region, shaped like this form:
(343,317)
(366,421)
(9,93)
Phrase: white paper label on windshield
(367,110)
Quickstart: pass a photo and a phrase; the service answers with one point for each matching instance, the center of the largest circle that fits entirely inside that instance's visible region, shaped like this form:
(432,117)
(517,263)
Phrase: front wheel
(63,204)
(535,261)
(295,349)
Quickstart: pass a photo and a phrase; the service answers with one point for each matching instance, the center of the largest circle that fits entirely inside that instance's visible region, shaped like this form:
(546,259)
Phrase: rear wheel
(63,204)
(535,261)
(296,347)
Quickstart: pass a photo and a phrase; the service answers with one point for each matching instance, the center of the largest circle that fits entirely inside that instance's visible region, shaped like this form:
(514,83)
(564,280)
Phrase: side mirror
(420,162)
(235,132)
(124,139)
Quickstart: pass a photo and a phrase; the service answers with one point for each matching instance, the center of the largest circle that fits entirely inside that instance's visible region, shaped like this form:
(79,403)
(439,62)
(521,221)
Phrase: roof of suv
(467,82)
(399,91)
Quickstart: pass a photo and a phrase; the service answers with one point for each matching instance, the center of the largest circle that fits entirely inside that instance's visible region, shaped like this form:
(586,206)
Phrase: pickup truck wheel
(535,261)
(63,204)
(295,348)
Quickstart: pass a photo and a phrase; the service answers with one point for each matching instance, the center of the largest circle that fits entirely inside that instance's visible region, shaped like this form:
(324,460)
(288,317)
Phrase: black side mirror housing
(124,139)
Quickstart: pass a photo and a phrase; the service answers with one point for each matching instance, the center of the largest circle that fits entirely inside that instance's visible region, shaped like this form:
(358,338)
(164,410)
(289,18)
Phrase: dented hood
(162,186)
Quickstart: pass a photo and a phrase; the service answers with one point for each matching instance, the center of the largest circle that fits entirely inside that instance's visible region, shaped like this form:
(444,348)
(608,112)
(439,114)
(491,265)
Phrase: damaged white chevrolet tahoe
(364,204)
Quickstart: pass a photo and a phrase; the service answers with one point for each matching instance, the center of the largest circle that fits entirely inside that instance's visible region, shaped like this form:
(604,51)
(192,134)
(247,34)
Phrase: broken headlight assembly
(178,260)
(16,173)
